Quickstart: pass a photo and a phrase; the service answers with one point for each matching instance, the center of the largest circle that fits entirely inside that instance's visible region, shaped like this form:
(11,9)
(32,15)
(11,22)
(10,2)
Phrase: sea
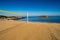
(51,19)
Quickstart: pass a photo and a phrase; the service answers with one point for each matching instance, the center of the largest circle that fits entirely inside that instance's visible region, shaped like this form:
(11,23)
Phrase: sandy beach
(20,30)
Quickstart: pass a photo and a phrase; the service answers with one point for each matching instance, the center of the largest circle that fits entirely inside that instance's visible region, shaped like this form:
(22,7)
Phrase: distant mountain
(11,17)
(44,16)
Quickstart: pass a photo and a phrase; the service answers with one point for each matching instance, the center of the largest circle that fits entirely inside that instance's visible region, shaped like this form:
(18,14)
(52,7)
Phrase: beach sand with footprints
(20,30)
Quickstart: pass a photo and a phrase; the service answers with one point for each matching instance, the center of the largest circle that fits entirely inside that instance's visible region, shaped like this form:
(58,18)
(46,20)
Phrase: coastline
(4,24)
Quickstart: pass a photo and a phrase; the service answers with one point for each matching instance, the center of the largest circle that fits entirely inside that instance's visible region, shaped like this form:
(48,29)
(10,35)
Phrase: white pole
(27,17)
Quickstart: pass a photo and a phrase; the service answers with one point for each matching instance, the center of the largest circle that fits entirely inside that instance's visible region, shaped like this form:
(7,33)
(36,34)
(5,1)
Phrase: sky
(33,7)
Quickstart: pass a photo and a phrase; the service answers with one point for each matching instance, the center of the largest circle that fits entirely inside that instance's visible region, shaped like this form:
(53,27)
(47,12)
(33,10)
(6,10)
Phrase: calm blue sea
(53,19)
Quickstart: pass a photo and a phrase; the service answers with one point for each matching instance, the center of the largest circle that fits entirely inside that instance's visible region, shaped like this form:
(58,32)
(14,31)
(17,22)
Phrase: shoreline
(11,23)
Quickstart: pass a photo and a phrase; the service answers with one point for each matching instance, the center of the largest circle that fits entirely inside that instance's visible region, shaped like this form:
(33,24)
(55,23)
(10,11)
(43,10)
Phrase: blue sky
(34,7)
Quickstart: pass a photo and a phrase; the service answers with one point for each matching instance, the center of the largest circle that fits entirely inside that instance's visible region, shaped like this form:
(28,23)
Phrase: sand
(19,30)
